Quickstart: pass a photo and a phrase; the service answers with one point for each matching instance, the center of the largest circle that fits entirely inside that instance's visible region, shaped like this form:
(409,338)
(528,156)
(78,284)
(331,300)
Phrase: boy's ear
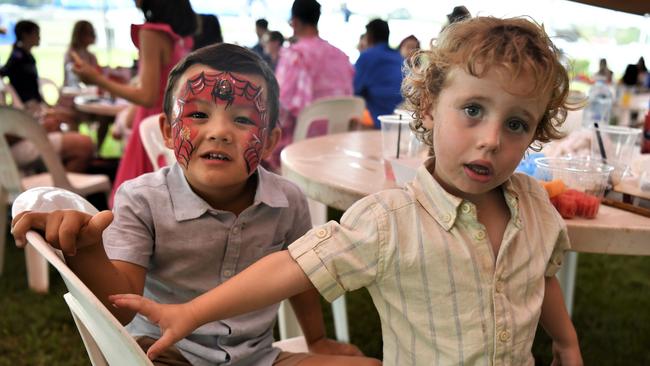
(271,142)
(427,120)
(166,130)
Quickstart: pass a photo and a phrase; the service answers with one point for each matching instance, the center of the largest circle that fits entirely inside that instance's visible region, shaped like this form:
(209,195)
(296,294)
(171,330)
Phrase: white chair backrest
(19,123)
(106,340)
(6,90)
(153,143)
(336,110)
(45,84)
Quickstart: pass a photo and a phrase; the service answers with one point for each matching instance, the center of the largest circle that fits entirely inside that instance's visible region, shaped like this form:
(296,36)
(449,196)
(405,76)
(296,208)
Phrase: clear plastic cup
(398,143)
(616,146)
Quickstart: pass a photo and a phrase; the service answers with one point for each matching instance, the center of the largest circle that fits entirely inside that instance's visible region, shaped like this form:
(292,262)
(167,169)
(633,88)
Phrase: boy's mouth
(216,156)
(480,168)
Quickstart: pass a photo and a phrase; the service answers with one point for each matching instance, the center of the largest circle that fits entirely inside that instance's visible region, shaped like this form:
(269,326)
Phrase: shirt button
(465,208)
(446,217)
(321,233)
(227,273)
(504,336)
(235,230)
(498,286)
(480,235)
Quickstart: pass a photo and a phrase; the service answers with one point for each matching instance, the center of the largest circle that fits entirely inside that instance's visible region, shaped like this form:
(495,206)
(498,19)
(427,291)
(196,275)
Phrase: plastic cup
(616,146)
(398,143)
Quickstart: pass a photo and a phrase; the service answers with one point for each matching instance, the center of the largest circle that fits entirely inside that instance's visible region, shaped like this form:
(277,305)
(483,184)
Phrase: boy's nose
(220,131)
(489,138)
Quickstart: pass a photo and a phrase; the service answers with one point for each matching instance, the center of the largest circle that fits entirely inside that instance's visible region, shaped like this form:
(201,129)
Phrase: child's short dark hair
(475,45)
(307,11)
(232,58)
(23,28)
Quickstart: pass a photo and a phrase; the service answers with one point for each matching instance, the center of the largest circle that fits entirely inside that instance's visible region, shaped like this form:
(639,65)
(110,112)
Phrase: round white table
(339,169)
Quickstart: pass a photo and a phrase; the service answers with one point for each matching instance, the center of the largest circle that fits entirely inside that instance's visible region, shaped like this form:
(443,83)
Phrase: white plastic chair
(6,90)
(153,143)
(105,339)
(19,123)
(47,84)
(337,111)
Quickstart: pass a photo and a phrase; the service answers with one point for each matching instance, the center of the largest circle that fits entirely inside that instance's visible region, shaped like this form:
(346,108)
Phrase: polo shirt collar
(187,205)
(442,205)
(268,190)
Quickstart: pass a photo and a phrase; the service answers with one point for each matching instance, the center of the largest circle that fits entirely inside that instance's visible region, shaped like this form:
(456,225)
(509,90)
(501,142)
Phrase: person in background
(273,43)
(309,69)
(21,65)
(208,31)
(378,72)
(180,231)
(457,14)
(75,150)
(408,47)
(162,41)
(460,263)
(362,44)
(261,27)
(83,35)
(643,79)
(604,71)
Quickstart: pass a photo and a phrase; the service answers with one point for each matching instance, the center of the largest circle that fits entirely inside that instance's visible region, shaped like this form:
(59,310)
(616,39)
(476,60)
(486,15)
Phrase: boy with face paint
(176,233)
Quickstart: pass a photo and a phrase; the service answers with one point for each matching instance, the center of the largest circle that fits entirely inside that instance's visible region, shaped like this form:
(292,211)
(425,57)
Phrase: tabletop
(98,106)
(339,169)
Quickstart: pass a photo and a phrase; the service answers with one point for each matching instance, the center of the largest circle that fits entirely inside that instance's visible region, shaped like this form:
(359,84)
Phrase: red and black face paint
(221,88)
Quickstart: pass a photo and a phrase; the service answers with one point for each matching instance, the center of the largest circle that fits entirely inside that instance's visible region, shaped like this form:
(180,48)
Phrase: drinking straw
(399,135)
(601,147)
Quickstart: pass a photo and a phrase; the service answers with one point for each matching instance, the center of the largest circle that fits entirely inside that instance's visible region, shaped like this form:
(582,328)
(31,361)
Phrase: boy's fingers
(131,302)
(160,345)
(69,230)
(52,225)
(24,222)
(99,222)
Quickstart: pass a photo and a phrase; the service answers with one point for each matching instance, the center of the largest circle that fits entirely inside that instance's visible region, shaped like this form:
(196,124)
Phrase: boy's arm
(555,320)
(79,235)
(268,281)
(309,313)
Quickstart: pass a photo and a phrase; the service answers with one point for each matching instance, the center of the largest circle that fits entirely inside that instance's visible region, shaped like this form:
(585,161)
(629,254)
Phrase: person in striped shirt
(461,262)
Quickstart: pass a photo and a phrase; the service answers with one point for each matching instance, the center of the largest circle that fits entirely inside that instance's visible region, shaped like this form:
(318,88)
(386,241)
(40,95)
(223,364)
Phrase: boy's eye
(197,114)
(473,111)
(244,121)
(517,125)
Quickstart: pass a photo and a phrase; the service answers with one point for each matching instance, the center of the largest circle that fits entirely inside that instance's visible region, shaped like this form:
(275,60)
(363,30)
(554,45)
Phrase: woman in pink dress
(162,41)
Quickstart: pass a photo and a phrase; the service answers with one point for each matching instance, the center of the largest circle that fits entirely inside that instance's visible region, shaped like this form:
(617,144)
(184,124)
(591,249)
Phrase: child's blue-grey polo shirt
(189,247)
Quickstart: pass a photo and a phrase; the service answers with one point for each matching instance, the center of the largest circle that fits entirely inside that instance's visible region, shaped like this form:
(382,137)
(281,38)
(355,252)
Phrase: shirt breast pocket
(261,252)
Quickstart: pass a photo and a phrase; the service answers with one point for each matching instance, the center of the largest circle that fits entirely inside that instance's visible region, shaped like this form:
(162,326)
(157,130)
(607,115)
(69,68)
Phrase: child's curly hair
(517,44)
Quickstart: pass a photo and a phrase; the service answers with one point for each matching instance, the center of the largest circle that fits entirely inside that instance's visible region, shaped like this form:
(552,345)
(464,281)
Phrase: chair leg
(340,315)
(287,321)
(317,211)
(38,276)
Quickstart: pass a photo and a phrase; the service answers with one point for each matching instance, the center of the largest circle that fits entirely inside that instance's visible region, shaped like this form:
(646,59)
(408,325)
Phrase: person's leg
(76,151)
(171,357)
(312,359)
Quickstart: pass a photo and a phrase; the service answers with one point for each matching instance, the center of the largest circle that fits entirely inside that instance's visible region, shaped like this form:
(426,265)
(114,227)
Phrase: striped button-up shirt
(442,296)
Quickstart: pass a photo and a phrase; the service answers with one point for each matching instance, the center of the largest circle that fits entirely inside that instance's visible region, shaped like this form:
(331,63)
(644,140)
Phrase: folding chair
(105,339)
(153,143)
(337,111)
(18,123)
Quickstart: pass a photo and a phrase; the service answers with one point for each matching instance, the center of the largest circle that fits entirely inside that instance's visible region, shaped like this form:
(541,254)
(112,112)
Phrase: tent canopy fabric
(639,7)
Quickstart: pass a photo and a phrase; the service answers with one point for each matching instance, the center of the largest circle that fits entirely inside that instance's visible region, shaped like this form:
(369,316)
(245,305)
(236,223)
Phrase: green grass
(611,315)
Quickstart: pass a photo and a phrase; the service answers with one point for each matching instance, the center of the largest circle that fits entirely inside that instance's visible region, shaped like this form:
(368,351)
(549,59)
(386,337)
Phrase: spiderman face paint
(224,108)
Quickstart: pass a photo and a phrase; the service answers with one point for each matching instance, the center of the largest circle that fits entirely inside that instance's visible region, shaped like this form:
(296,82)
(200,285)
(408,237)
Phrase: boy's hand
(176,321)
(566,355)
(328,346)
(66,230)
